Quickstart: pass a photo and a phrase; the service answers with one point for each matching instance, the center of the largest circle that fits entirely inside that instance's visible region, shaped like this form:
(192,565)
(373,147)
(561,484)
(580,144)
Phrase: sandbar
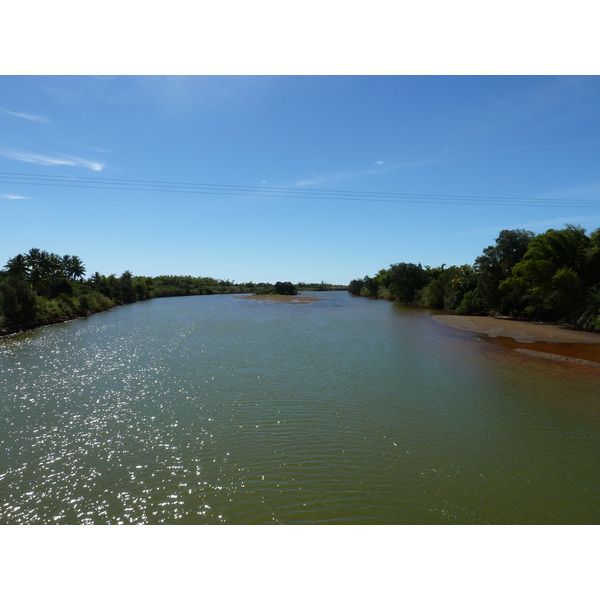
(539,340)
(520,331)
(281,299)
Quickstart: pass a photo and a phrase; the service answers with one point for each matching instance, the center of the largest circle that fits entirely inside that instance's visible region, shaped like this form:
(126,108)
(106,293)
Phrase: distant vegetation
(39,288)
(285,288)
(553,276)
(319,287)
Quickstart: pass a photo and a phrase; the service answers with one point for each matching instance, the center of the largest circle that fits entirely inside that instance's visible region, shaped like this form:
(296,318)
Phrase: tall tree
(496,263)
(549,279)
(405,280)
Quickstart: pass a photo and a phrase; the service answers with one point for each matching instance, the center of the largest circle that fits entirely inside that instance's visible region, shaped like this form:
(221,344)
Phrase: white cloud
(38,159)
(26,116)
(12,197)
(380,162)
(89,164)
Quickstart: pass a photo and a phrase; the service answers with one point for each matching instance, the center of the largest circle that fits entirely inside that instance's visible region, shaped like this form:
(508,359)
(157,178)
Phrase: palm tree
(44,267)
(33,256)
(41,262)
(54,265)
(65,260)
(95,278)
(77,268)
(73,266)
(18,265)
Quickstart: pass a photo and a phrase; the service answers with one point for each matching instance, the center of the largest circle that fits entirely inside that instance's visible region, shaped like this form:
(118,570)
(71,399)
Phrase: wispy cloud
(76,147)
(57,160)
(577,192)
(26,116)
(379,168)
(13,197)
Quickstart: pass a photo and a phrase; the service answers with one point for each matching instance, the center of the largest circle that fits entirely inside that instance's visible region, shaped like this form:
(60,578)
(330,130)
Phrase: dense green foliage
(40,288)
(319,287)
(553,276)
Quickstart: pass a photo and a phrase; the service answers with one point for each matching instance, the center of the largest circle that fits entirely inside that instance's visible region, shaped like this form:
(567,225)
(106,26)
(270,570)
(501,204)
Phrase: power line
(143,185)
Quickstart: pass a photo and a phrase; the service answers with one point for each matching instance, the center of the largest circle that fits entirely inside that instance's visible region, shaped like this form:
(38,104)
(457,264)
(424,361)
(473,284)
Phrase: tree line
(552,276)
(39,288)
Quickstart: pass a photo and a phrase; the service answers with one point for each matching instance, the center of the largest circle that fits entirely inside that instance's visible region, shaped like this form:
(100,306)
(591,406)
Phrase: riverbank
(7,331)
(553,342)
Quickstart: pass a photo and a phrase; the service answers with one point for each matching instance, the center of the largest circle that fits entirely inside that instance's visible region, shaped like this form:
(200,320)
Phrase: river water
(216,409)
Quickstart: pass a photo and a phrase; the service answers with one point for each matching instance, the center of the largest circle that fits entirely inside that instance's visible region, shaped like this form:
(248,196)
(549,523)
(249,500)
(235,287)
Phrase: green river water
(216,409)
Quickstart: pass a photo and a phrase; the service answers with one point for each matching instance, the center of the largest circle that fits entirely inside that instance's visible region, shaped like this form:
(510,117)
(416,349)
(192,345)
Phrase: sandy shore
(520,331)
(553,342)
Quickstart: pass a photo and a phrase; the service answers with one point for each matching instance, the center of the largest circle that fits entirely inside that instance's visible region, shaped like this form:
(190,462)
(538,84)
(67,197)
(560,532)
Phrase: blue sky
(475,136)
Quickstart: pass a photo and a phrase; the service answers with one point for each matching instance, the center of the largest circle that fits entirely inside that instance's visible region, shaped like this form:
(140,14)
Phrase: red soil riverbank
(555,342)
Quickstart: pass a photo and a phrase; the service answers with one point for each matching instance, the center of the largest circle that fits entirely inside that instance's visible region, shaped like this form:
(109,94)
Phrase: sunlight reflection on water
(220,410)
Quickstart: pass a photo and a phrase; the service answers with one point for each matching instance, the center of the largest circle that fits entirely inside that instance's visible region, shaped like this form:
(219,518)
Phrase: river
(216,409)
